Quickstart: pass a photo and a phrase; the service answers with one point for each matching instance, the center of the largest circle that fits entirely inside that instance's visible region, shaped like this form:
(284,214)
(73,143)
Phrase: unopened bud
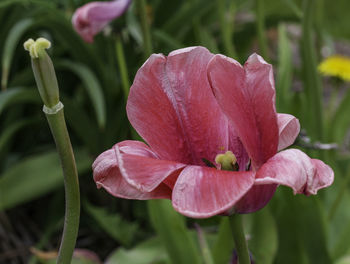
(44,71)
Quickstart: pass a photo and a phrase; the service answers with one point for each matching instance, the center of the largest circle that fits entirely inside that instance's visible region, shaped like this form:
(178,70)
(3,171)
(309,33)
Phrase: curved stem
(239,238)
(147,41)
(71,222)
(122,66)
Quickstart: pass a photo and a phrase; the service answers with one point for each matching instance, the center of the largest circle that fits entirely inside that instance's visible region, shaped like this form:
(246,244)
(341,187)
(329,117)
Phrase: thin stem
(71,224)
(122,66)
(239,238)
(226,27)
(260,27)
(147,40)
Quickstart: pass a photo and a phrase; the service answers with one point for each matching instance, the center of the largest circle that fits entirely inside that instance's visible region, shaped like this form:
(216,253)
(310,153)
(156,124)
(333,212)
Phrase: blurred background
(293,35)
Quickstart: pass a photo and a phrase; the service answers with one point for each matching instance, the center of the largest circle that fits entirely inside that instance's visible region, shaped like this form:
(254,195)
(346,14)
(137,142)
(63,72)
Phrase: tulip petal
(247,97)
(107,175)
(324,177)
(202,192)
(172,107)
(145,172)
(256,198)
(293,168)
(289,128)
(91,18)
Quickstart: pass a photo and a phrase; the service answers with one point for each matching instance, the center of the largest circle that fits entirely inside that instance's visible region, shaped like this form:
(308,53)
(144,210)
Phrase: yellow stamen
(227,161)
(35,48)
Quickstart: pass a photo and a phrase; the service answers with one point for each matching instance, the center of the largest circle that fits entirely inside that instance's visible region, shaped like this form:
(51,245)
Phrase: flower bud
(44,71)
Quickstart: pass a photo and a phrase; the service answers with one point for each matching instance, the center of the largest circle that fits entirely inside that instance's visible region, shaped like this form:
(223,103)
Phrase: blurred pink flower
(172,106)
(91,18)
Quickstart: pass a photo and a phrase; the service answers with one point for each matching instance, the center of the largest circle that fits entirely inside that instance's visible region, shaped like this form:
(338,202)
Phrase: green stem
(260,28)
(145,25)
(59,131)
(239,238)
(122,66)
(226,27)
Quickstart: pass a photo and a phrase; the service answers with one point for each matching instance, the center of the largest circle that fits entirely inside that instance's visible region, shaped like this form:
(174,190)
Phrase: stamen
(36,47)
(228,161)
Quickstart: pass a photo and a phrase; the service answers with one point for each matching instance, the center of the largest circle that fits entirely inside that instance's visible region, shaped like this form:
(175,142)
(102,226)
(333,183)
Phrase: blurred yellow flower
(337,66)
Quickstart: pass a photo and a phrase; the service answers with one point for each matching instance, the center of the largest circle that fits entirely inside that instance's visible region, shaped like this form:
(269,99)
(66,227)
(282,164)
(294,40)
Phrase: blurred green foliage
(289,230)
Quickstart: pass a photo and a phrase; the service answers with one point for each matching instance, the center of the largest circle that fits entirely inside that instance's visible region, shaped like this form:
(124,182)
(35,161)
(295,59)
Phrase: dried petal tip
(35,48)
(227,161)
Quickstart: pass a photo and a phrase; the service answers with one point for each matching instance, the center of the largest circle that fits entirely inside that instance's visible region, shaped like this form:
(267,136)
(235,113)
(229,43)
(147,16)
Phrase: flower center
(228,161)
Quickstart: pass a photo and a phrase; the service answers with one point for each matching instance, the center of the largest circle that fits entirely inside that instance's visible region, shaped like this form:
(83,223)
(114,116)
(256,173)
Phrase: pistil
(228,161)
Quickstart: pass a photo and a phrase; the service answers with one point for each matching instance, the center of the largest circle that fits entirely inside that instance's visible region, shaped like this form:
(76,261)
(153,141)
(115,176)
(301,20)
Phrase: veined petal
(144,172)
(202,192)
(293,168)
(323,178)
(107,175)
(247,97)
(172,107)
(289,128)
(91,18)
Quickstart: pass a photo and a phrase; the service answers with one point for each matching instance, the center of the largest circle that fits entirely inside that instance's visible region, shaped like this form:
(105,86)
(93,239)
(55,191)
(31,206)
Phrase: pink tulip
(91,18)
(172,106)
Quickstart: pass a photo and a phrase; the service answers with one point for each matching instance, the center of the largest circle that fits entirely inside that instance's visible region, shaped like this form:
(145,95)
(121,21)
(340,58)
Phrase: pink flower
(91,18)
(172,106)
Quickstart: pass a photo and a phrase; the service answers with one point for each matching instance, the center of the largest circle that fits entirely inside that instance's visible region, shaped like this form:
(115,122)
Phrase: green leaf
(81,123)
(301,229)
(285,71)
(187,11)
(172,230)
(92,86)
(9,131)
(263,242)
(121,230)
(339,235)
(35,176)
(340,122)
(45,3)
(171,43)
(208,40)
(312,85)
(11,43)
(150,251)
(224,244)
(18,95)
(344,260)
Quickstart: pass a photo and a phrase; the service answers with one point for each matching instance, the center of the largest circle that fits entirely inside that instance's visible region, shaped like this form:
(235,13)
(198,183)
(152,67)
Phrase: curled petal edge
(107,175)
(295,169)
